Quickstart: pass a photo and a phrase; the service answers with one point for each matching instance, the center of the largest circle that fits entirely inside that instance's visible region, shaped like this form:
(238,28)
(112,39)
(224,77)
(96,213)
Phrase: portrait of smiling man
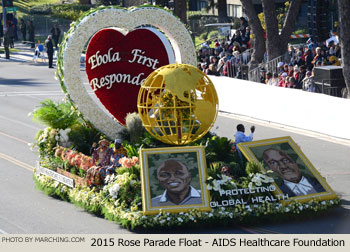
(175,178)
(294,183)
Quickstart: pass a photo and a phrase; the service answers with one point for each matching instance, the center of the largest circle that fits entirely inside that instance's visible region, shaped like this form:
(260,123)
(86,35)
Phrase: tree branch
(290,19)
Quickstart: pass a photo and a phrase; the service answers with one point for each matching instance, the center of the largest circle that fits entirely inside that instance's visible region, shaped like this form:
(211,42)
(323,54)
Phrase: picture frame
(170,174)
(293,173)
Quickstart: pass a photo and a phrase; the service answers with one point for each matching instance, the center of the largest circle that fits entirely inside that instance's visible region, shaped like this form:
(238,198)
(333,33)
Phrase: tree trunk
(222,11)
(259,40)
(277,44)
(180,10)
(161,2)
(344,39)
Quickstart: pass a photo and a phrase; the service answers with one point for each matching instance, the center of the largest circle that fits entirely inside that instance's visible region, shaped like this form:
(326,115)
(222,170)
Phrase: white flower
(179,219)
(323,202)
(113,190)
(286,209)
(162,221)
(64,138)
(301,207)
(216,184)
(210,215)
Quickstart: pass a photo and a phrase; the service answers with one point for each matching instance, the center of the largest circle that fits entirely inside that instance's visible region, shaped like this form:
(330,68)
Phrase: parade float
(139,150)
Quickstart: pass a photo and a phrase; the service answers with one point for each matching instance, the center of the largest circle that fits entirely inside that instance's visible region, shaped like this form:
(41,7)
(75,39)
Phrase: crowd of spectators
(229,56)
(298,72)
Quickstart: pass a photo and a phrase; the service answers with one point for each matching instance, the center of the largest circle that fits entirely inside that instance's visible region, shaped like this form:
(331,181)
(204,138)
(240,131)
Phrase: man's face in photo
(283,165)
(174,176)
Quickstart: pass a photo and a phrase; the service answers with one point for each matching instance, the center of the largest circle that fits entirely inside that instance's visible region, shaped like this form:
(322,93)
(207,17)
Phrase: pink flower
(128,162)
(135,160)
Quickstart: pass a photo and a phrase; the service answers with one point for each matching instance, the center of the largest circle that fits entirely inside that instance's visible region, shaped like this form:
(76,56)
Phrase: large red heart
(124,61)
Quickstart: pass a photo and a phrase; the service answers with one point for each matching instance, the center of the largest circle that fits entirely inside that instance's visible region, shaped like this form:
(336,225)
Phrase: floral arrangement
(128,162)
(74,158)
(119,199)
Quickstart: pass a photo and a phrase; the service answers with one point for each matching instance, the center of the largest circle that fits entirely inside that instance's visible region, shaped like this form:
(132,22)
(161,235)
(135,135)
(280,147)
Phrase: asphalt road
(23,209)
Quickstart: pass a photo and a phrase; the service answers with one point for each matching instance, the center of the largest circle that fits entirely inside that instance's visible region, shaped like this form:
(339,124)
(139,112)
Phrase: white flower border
(172,27)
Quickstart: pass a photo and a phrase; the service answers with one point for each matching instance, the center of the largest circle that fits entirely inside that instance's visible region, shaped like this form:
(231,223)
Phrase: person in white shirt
(294,182)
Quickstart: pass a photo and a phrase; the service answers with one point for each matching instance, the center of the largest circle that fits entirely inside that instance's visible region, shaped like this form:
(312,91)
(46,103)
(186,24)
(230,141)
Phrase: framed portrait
(173,179)
(294,175)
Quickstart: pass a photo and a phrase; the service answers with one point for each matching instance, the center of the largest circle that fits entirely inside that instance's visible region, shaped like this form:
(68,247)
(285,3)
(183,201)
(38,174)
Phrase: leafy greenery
(129,215)
(56,115)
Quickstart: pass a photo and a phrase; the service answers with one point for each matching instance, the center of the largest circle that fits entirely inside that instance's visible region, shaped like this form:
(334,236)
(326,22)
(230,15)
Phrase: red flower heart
(117,64)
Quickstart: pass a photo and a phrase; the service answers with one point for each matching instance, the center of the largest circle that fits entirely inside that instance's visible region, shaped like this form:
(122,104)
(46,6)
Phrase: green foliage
(236,170)
(301,31)
(82,138)
(219,149)
(281,15)
(204,36)
(252,167)
(69,11)
(56,115)
(132,150)
(66,11)
(213,34)
(214,169)
(51,187)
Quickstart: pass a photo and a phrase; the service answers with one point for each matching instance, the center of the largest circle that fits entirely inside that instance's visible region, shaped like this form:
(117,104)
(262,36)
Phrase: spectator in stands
(319,57)
(268,77)
(292,83)
(300,76)
(203,67)
(236,38)
(332,60)
(246,36)
(290,71)
(299,59)
(308,58)
(338,51)
(262,75)
(280,67)
(244,25)
(221,65)
(274,80)
(331,48)
(211,70)
(283,81)
(308,84)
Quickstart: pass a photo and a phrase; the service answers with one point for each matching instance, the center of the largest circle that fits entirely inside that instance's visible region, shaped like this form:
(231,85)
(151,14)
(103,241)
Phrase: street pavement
(23,84)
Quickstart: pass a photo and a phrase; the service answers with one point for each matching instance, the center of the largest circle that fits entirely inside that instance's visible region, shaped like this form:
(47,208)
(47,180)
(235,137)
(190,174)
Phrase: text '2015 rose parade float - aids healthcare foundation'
(138,150)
